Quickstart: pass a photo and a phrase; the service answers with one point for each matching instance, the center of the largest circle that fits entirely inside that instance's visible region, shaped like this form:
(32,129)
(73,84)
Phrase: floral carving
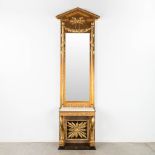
(79,20)
(77,129)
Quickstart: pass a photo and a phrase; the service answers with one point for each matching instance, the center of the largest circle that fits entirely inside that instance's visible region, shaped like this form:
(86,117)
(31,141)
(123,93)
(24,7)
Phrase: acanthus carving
(61,141)
(92,138)
(77,25)
(77,129)
(79,20)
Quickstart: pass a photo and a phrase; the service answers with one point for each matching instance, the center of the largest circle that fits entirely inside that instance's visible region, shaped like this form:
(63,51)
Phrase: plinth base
(77,146)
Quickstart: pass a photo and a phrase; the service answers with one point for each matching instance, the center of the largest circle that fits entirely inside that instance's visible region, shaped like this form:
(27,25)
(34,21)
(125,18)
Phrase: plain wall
(30,69)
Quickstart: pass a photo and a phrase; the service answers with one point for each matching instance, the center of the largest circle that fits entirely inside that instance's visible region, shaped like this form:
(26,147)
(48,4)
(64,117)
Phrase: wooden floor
(102,149)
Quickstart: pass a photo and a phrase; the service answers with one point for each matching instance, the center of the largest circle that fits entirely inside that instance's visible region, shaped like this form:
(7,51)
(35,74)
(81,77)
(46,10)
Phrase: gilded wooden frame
(87,22)
(77,21)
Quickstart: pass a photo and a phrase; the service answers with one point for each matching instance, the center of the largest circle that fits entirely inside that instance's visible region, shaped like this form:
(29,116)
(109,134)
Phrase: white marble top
(77,109)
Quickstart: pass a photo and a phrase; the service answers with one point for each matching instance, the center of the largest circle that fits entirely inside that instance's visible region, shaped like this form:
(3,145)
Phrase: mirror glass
(77,66)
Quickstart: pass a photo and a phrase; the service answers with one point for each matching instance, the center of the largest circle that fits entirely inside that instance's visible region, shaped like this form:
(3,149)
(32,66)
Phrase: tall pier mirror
(77,54)
(77,66)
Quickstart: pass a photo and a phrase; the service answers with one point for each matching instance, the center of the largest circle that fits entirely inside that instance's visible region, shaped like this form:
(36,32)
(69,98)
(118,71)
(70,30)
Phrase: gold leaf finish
(79,20)
(77,30)
(76,126)
(77,130)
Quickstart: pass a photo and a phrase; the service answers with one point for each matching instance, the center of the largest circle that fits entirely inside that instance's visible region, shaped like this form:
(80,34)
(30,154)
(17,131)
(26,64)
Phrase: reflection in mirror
(77,66)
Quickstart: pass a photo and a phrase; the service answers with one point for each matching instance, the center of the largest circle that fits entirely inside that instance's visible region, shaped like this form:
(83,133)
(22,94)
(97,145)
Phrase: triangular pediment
(77,12)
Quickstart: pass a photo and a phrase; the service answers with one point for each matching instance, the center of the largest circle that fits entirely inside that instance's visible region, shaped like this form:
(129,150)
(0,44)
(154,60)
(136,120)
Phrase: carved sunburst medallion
(77,129)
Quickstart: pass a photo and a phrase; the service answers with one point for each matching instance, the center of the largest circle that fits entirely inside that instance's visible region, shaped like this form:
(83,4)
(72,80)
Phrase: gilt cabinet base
(77,132)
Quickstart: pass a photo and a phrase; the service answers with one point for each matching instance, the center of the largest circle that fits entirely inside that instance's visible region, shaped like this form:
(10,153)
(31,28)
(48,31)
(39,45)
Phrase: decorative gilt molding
(92,129)
(75,20)
(77,30)
(79,11)
(73,113)
(61,141)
